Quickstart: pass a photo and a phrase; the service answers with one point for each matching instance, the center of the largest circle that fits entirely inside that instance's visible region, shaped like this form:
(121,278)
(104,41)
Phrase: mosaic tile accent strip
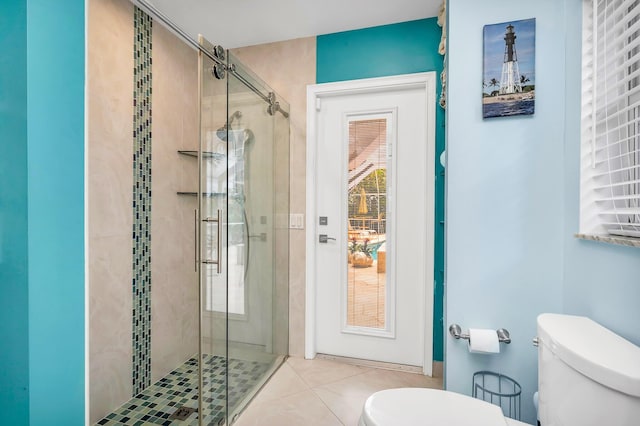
(158,402)
(141,285)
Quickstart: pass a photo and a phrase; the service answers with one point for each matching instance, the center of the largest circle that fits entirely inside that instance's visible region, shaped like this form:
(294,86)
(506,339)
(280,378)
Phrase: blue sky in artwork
(494,49)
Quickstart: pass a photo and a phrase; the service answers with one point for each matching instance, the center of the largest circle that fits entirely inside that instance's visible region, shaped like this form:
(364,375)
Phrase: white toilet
(588,376)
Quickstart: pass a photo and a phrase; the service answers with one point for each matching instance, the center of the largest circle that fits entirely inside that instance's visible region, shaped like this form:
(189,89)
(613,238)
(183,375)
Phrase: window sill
(611,239)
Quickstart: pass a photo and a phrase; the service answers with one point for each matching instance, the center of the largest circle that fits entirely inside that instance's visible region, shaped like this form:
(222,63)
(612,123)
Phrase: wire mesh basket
(500,390)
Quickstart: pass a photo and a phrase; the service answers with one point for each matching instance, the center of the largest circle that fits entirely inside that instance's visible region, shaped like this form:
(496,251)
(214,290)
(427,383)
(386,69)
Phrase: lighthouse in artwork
(510,81)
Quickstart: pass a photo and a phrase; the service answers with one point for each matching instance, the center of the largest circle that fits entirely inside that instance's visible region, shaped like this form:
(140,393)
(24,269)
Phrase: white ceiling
(237,23)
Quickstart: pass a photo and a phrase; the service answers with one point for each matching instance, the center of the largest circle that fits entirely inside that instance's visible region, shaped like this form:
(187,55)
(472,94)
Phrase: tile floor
(322,393)
(157,403)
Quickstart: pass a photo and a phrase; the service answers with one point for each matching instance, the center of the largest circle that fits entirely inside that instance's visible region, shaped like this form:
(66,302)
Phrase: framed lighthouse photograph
(509,76)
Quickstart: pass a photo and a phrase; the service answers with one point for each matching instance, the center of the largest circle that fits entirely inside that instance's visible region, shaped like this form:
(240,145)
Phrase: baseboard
(438,369)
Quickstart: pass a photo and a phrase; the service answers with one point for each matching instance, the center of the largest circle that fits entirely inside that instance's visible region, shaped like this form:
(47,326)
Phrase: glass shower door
(213,233)
(244,237)
(257,320)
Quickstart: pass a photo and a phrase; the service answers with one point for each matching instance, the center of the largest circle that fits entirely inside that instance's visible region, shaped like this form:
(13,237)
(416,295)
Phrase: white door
(370,178)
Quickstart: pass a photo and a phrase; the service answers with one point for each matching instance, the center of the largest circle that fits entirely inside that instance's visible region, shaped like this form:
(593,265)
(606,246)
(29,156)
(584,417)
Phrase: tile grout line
(253,402)
(298,374)
(328,408)
(333,381)
(312,389)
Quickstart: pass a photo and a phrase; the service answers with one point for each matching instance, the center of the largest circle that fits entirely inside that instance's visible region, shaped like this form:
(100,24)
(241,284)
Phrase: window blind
(610,166)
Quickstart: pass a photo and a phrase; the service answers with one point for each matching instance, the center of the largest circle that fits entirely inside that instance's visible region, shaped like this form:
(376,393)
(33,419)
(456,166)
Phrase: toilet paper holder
(456,331)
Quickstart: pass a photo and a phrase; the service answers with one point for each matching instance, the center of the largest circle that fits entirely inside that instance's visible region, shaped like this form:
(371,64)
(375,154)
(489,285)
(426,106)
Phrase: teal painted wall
(55,107)
(396,49)
(14,326)
(42,213)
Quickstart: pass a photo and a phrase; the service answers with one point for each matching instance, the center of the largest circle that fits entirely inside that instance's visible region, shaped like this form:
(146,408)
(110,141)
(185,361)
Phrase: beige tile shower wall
(175,126)
(281,236)
(288,67)
(174,294)
(109,152)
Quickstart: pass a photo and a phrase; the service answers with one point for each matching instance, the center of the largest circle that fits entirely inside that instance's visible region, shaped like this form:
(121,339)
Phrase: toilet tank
(587,375)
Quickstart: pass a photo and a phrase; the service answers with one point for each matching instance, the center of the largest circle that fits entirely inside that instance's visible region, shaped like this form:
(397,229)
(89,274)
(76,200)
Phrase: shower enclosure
(190,322)
(242,216)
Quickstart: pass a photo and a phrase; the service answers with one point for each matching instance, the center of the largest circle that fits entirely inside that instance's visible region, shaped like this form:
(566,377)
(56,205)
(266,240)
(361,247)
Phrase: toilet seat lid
(419,406)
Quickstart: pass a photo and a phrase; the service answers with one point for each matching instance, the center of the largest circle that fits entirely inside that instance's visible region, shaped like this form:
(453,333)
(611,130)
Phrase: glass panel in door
(367,208)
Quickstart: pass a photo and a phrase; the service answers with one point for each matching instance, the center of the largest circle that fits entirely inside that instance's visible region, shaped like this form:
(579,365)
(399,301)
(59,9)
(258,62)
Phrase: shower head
(223,131)
(241,135)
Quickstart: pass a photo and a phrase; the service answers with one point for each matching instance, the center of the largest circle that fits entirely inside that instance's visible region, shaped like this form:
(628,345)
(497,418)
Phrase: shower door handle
(195,239)
(218,261)
(219,251)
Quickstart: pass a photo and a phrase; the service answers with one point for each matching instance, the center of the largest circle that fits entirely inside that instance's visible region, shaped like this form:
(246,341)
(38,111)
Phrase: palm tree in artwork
(493,83)
(524,79)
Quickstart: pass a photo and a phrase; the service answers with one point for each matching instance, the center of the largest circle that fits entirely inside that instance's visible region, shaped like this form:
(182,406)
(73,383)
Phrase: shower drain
(182,413)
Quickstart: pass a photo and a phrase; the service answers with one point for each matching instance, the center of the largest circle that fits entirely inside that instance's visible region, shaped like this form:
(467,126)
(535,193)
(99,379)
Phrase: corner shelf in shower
(204,194)
(205,154)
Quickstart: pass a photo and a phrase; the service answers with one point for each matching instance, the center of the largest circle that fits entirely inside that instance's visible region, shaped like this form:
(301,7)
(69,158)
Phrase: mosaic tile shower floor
(158,402)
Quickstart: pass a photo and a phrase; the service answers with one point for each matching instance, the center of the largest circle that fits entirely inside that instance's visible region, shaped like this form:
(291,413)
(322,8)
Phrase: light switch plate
(296,221)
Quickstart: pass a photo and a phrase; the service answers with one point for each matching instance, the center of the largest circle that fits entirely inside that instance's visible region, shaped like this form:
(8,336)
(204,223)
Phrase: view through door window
(367,230)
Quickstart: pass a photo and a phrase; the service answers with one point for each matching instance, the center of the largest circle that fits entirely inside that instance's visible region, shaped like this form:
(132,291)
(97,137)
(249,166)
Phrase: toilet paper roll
(483,341)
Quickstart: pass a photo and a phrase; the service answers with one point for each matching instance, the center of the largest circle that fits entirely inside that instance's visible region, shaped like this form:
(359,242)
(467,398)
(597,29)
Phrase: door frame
(315,94)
